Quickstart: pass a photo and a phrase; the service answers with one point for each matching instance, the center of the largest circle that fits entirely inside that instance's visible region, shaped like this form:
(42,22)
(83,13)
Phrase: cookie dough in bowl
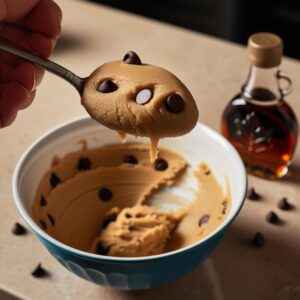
(140,99)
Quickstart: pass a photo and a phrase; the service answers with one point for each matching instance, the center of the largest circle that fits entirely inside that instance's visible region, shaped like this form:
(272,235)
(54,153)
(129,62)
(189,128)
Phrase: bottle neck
(262,85)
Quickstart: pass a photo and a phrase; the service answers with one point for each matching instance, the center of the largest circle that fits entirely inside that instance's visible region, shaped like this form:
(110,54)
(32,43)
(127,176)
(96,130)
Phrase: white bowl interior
(201,145)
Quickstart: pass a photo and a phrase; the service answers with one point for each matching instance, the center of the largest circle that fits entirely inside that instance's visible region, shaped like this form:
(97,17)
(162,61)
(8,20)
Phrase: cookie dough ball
(139,99)
(136,231)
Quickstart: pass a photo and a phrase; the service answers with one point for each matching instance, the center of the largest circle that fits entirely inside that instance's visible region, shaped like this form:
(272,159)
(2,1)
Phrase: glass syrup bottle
(258,122)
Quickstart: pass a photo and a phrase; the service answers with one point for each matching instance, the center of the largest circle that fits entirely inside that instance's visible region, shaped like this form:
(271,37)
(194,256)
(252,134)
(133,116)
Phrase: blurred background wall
(233,20)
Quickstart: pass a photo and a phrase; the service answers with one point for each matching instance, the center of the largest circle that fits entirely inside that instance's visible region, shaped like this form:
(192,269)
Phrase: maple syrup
(258,121)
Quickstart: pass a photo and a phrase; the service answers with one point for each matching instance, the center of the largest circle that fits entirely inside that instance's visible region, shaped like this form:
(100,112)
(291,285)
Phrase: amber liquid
(264,135)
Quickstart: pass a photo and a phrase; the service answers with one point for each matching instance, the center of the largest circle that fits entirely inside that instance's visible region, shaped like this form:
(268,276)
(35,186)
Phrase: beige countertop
(214,70)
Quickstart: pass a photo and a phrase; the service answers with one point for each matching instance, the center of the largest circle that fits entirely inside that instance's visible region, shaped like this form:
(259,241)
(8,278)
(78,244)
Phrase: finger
(45,18)
(5,72)
(34,42)
(28,75)
(13,10)
(14,97)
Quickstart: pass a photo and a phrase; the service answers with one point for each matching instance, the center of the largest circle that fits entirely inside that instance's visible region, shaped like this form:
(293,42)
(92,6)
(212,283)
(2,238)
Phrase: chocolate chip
(51,219)
(258,240)
(130,159)
(108,219)
(84,164)
(160,164)
(207,172)
(131,228)
(107,86)
(132,58)
(101,249)
(18,229)
(43,224)
(271,217)
(39,272)
(128,216)
(43,201)
(204,219)
(253,195)
(284,204)
(174,103)
(105,194)
(224,207)
(143,96)
(54,180)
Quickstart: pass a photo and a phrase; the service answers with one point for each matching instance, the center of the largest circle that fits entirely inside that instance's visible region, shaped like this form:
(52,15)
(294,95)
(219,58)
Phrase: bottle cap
(264,50)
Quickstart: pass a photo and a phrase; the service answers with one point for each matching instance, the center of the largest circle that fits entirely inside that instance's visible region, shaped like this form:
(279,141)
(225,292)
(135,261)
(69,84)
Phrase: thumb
(14,10)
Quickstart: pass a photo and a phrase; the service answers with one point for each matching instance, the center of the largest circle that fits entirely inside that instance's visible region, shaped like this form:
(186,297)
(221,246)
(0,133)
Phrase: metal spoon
(47,64)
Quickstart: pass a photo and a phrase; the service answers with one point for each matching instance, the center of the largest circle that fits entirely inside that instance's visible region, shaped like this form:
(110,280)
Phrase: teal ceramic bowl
(202,144)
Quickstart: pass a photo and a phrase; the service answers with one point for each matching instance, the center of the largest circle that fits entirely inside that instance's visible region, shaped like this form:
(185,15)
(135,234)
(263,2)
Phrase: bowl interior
(201,145)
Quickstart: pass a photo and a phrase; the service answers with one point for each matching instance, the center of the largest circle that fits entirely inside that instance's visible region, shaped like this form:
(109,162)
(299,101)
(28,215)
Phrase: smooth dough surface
(120,110)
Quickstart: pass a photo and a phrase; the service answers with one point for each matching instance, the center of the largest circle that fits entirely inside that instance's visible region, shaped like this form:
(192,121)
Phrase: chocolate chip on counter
(174,103)
(84,164)
(224,207)
(253,195)
(51,219)
(101,249)
(284,204)
(130,159)
(54,180)
(39,272)
(132,58)
(160,164)
(143,96)
(107,86)
(108,219)
(105,194)
(258,240)
(272,217)
(18,229)
(204,219)
(43,224)
(43,201)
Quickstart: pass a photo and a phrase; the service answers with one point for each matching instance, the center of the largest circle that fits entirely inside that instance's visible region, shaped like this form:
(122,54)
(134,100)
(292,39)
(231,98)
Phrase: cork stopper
(264,50)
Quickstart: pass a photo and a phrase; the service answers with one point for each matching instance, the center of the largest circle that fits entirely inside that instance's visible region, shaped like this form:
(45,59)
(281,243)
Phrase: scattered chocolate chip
(224,207)
(174,103)
(101,249)
(258,240)
(18,229)
(43,201)
(132,58)
(130,159)
(54,180)
(108,219)
(160,164)
(128,216)
(207,172)
(204,219)
(51,219)
(253,195)
(84,164)
(105,194)
(107,86)
(284,204)
(272,217)
(39,272)
(143,96)
(43,224)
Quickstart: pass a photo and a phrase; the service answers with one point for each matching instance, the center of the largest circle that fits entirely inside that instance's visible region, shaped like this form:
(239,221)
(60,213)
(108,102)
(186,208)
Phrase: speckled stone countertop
(214,70)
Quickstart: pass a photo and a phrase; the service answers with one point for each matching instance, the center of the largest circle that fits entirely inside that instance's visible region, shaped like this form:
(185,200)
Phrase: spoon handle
(47,64)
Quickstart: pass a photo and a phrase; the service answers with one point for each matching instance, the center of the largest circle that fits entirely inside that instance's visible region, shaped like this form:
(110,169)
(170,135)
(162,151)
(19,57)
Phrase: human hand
(34,25)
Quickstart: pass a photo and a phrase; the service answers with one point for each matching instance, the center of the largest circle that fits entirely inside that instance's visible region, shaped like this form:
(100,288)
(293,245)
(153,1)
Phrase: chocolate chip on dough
(107,86)
(54,180)
(105,194)
(160,164)
(174,103)
(132,58)
(204,219)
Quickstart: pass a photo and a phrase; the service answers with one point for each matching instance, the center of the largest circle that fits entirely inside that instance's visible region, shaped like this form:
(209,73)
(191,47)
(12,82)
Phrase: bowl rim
(87,255)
